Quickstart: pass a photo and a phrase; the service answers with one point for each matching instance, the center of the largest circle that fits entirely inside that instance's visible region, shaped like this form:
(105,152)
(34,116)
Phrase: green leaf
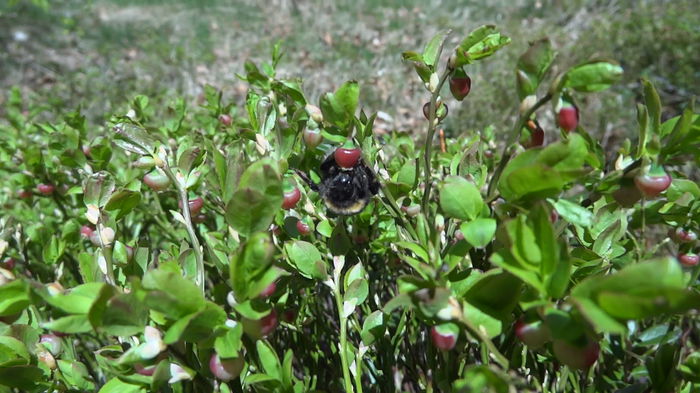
(249,266)
(479,232)
(70,324)
(13,349)
(75,374)
(639,291)
(115,385)
(653,104)
(134,139)
(373,327)
(460,198)
(593,76)
(416,249)
(171,294)
(22,377)
(481,43)
(124,201)
(540,173)
(533,65)
(269,360)
(306,259)
(339,108)
(98,189)
(14,297)
(574,213)
(229,344)
(495,293)
(258,198)
(197,326)
(78,300)
(434,47)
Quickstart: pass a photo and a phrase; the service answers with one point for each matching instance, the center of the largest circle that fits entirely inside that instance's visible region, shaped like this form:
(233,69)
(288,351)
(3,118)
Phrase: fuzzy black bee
(345,191)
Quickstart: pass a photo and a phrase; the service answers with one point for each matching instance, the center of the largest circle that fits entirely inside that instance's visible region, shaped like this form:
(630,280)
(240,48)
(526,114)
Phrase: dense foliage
(182,249)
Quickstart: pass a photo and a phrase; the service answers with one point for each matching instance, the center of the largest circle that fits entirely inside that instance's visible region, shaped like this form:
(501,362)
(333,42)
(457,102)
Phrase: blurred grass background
(101,53)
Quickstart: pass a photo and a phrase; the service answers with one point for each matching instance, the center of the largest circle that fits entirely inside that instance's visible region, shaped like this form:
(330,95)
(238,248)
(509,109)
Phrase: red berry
(312,138)
(269,290)
(262,327)
(652,186)
(411,210)
(568,118)
(440,115)
(444,342)
(536,135)
(303,228)
(680,235)
(86,151)
(52,343)
(195,205)
(146,371)
(156,181)
(553,216)
(460,86)
(86,231)
(346,158)
(24,194)
(225,119)
(576,356)
(8,264)
(289,316)
(226,369)
(291,199)
(45,189)
(534,335)
(689,260)
(268,323)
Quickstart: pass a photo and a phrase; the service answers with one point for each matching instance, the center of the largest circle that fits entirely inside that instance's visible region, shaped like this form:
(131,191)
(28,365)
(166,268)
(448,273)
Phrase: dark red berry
(534,335)
(45,189)
(291,199)
(460,86)
(195,205)
(268,323)
(225,369)
(568,118)
(347,158)
(303,228)
(269,290)
(440,112)
(443,341)
(144,370)
(689,260)
(289,316)
(577,356)
(652,186)
(8,264)
(24,194)
(681,235)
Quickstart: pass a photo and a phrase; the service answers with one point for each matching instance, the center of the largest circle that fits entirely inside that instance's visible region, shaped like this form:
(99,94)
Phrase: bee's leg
(313,186)
(372,181)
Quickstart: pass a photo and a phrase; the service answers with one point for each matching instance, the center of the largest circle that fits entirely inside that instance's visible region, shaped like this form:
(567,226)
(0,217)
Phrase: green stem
(347,379)
(507,149)
(429,139)
(194,242)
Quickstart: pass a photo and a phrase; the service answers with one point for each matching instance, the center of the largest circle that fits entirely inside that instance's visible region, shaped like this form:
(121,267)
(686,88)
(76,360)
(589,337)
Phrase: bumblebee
(345,191)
